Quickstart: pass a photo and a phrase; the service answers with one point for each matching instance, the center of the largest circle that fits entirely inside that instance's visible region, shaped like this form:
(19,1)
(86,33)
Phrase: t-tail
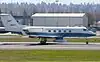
(11,24)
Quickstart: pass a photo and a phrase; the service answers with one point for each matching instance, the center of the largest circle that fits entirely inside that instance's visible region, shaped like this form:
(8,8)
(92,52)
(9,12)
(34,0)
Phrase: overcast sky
(50,1)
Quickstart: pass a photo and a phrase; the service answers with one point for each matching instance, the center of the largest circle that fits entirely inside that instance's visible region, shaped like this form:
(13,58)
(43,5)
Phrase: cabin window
(64,30)
(49,30)
(59,31)
(69,31)
(54,31)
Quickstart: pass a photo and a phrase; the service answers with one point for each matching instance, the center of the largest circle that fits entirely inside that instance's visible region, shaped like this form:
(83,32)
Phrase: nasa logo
(9,20)
(12,24)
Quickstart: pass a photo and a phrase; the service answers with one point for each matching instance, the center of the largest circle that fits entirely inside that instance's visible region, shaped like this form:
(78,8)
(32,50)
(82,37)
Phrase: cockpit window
(84,29)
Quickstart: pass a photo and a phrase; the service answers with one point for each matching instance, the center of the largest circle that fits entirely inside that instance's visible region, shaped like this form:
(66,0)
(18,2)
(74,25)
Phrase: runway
(49,46)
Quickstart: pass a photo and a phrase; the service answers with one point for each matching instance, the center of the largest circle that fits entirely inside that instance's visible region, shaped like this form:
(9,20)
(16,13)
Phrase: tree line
(25,9)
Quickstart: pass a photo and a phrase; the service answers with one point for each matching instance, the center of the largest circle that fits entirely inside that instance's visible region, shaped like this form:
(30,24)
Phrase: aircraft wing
(42,36)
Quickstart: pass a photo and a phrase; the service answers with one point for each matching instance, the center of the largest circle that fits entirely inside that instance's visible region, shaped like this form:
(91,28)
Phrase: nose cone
(93,34)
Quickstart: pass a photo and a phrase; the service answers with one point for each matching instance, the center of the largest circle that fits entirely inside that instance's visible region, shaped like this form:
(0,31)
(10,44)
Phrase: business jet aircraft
(58,33)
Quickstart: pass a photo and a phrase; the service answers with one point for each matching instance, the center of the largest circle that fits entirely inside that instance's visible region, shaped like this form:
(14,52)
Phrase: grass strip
(49,55)
(36,39)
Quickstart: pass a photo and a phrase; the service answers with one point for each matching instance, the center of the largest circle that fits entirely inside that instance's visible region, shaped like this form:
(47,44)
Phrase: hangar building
(60,19)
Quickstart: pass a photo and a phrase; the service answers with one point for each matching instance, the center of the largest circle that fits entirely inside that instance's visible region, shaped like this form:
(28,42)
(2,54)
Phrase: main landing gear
(43,41)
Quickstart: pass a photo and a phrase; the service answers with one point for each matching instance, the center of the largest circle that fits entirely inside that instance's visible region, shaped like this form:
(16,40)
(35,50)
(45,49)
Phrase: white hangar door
(50,21)
(63,21)
(38,21)
(76,22)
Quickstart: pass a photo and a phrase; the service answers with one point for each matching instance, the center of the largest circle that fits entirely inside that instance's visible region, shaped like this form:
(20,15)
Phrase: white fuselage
(59,31)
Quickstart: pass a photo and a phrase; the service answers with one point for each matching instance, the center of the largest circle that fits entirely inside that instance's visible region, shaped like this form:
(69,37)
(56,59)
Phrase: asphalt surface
(49,46)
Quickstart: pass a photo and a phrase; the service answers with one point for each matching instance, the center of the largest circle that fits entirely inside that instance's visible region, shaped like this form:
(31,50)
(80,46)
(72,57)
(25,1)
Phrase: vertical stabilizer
(10,23)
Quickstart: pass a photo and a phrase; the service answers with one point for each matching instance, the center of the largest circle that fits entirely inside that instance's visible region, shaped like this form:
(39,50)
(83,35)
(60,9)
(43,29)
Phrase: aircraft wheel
(42,42)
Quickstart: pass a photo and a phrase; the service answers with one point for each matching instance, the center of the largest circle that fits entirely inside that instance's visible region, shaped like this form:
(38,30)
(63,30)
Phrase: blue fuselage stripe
(62,34)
